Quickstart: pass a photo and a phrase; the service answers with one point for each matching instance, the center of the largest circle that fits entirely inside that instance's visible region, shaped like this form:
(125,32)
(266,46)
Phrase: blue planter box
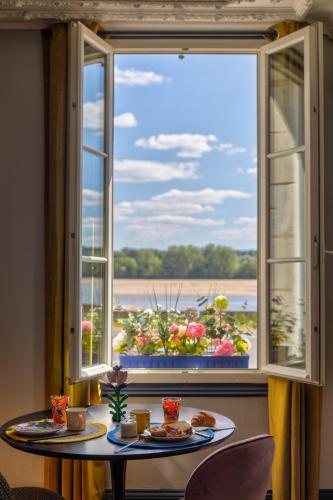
(140,361)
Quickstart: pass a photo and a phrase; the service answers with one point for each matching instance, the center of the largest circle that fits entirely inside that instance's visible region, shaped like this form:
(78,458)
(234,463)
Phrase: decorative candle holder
(116,380)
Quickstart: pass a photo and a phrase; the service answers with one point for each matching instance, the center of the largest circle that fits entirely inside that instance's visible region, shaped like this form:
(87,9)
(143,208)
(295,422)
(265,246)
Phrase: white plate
(166,439)
(35,428)
(219,426)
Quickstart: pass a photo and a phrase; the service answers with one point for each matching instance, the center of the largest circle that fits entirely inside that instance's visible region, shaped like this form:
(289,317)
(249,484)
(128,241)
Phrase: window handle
(315,253)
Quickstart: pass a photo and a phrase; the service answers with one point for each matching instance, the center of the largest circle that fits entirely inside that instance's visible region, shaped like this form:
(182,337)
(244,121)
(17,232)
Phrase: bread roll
(203,419)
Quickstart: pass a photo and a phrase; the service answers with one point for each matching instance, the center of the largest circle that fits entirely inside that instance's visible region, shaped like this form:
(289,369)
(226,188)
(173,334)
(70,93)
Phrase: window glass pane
(185,210)
(287,206)
(286,98)
(93,205)
(287,314)
(93,313)
(93,98)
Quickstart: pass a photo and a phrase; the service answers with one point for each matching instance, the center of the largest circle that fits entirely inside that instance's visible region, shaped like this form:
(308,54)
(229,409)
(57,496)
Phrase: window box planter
(189,361)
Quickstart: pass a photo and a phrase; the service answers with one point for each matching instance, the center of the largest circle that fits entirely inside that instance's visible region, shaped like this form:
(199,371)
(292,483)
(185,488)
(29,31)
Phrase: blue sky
(185,142)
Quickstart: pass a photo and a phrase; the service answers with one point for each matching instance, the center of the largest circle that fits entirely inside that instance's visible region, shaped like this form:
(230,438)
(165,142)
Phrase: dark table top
(102,449)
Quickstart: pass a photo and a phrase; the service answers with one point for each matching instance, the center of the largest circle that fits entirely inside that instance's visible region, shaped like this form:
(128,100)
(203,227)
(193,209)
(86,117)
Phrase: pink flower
(117,376)
(227,348)
(195,330)
(173,328)
(87,326)
(182,331)
(142,340)
(175,339)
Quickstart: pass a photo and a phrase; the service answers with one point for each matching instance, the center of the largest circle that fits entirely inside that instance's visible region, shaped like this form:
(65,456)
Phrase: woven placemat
(93,430)
(115,437)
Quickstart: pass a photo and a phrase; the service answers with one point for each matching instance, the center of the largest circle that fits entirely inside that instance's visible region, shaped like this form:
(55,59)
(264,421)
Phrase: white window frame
(312,372)
(79,35)
(257,47)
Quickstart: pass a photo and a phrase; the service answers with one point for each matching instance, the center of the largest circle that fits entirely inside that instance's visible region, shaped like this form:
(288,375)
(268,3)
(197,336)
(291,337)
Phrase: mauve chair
(25,493)
(239,471)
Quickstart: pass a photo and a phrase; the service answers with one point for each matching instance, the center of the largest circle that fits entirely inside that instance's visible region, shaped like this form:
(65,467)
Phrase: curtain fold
(73,479)
(295,423)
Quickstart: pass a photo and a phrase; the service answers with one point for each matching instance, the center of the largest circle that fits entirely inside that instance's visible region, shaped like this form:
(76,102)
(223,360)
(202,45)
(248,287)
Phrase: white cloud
(150,171)
(125,120)
(182,220)
(247,221)
(133,77)
(253,170)
(245,230)
(92,228)
(189,145)
(224,147)
(166,227)
(92,198)
(93,114)
(178,202)
(236,151)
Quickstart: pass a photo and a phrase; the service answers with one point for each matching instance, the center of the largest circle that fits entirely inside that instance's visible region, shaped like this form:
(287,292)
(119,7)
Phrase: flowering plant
(228,337)
(195,331)
(116,380)
(91,327)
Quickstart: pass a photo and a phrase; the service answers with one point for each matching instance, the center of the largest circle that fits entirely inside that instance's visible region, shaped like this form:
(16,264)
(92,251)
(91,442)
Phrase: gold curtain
(295,422)
(285,28)
(73,479)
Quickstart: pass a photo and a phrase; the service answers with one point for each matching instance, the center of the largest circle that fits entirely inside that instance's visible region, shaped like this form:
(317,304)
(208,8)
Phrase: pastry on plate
(203,419)
(158,432)
(173,430)
(181,426)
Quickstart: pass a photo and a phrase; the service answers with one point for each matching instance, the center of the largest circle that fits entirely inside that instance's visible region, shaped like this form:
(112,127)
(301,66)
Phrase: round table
(102,449)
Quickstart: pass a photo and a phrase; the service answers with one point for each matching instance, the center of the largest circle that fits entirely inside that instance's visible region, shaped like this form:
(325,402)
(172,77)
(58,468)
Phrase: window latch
(315,253)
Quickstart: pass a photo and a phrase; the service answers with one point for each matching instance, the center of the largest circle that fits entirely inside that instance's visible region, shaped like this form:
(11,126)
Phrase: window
(288,333)
(185,209)
(290,220)
(90,189)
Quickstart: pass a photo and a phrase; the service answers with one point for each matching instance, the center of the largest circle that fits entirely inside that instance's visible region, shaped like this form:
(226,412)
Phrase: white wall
(21,246)
(22,284)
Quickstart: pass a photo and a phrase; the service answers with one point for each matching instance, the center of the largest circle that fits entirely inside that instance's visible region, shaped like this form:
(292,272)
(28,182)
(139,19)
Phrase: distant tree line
(181,262)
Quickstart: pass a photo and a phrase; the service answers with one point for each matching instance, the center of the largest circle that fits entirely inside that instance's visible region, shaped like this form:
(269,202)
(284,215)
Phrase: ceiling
(171,14)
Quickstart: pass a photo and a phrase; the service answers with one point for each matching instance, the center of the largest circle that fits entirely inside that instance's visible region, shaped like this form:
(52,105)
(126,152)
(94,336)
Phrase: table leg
(118,477)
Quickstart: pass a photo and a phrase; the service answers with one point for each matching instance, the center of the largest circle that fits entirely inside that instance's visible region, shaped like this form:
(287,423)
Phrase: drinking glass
(171,407)
(142,419)
(59,407)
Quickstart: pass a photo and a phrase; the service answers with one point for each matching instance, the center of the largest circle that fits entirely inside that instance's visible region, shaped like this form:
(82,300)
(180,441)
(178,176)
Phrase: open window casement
(289,321)
(90,190)
(289,206)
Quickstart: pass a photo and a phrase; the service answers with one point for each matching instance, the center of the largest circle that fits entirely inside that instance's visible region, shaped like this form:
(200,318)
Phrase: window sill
(199,383)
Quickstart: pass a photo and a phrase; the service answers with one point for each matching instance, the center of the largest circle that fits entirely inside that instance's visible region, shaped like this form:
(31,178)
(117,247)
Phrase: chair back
(239,471)
(5,490)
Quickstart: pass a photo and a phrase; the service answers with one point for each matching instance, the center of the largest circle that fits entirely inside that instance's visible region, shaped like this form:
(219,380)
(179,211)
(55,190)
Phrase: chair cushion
(34,494)
(5,490)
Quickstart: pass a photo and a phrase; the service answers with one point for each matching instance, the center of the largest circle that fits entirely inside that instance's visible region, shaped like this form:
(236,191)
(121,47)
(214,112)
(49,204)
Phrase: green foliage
(184,262)
(207,329)
(117,404)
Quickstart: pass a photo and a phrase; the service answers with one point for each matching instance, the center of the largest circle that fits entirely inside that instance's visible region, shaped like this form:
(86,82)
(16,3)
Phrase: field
(142,287)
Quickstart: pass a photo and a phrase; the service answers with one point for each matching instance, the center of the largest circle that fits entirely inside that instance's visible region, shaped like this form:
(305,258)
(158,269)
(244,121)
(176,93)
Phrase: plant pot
(189,361)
